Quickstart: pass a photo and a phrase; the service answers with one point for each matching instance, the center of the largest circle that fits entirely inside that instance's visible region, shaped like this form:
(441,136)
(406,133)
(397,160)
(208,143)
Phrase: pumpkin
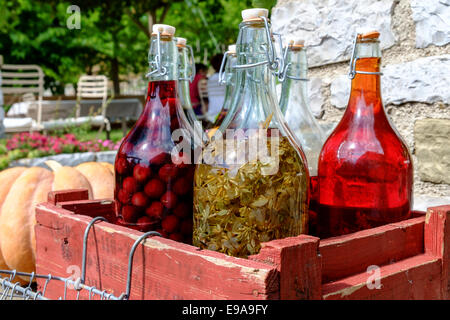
(109,166)
(68,178)
(17,220)
(23,188)
(100,178)
(7,177)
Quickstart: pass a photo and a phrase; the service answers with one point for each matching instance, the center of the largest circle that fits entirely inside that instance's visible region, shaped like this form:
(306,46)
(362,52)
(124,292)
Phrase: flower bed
(35,145)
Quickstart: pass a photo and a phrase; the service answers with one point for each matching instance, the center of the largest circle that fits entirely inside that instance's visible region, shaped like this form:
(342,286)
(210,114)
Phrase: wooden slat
(21,81)
(92,83)
(20,74)
(163,269)
(90,77)
(437,242)
(351,254)
(7,90)
(417,277)
(91,95)
(21,67)
(91,208)
(54,197)
(299,264)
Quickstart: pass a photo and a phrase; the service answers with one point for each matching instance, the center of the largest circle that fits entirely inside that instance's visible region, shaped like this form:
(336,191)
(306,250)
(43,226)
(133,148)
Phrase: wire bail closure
(156,63)
(274,62)
(192,65)
(222,80)
(353,60)
(283,73)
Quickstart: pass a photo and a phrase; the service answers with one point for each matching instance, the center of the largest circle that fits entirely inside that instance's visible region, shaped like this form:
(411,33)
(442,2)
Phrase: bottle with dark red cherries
(365,169)
(154,176)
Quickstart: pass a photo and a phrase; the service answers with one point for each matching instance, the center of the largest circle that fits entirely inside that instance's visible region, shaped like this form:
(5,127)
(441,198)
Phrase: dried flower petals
(235,209)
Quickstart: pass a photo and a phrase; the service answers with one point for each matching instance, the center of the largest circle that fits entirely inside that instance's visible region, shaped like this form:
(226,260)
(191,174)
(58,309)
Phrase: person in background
(201,71)
(216,92)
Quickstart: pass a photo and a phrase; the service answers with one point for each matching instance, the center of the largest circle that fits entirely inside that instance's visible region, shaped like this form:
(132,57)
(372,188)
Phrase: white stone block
(328,26)
(421,80)
(432,19)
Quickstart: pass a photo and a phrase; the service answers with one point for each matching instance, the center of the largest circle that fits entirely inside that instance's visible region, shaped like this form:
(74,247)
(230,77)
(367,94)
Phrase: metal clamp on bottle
(274,62)
(156,63)
(353,60)
(222,80)
(191,60)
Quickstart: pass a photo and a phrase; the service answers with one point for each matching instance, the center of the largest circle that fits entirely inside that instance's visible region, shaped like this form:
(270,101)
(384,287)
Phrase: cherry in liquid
(153,192)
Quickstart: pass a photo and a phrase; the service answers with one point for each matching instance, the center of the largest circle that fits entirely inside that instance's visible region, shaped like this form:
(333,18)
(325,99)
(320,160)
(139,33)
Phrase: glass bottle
(243,194)
(154,181)
(365,169)
(187,74)
(294,104)
(227,78)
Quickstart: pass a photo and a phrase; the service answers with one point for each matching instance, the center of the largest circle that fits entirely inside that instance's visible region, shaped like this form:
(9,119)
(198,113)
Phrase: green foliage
(114,34)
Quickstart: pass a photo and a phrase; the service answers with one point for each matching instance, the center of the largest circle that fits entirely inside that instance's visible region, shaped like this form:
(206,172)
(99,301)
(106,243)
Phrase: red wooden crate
(413,259)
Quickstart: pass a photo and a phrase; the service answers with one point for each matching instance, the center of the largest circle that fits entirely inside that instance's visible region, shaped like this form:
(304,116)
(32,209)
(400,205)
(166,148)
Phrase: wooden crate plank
(163,269)
(417,277)
(353,253)
(437,241)
(91,208)
(299,264)
(67,195)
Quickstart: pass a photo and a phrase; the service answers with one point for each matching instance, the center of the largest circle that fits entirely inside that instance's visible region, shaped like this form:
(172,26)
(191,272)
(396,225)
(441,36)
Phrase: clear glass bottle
(187,73)
(227,78)
(365,168)
(153,189)
(241,196)
(294,104)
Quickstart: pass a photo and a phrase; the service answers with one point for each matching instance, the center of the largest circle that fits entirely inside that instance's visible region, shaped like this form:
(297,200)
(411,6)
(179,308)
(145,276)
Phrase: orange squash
(100,178)
(17,220)
(22,189)
(68,178)
(7,178)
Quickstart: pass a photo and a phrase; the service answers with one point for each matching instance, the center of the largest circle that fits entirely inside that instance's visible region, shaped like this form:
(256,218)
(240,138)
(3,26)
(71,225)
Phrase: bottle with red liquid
(365,169)
(154,177)
(294,104)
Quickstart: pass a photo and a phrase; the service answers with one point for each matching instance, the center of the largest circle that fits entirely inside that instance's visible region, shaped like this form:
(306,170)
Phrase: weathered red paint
(413,257)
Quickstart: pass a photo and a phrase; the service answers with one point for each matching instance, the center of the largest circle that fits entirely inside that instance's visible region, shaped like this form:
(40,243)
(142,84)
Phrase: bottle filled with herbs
(154,181)
(252,184)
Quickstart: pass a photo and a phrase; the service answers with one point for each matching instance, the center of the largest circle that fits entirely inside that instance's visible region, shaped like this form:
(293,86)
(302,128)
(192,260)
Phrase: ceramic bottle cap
(164,29)
(367,33)
(181,41)
(255,13)
(232,48)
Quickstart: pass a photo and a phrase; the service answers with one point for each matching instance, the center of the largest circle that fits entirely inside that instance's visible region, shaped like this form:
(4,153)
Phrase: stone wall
(415,41)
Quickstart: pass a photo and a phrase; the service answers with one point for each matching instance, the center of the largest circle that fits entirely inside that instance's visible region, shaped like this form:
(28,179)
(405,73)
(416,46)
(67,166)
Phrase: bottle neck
(254,98)
(230,77)
(184,67)
(163,59)
(366,87)
(295,83)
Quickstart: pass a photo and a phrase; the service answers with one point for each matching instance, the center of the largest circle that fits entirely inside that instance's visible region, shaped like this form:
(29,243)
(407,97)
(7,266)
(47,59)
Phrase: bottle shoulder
(354,141)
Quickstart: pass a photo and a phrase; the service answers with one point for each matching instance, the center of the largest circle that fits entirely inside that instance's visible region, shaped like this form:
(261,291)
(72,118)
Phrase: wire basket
(13,289)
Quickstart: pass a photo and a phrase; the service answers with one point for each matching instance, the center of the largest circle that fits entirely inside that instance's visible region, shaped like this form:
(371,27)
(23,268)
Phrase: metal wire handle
(353,60)
(192,65)
(274,62)
(130,260)
(222,80)
(157,61)
(86,235)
